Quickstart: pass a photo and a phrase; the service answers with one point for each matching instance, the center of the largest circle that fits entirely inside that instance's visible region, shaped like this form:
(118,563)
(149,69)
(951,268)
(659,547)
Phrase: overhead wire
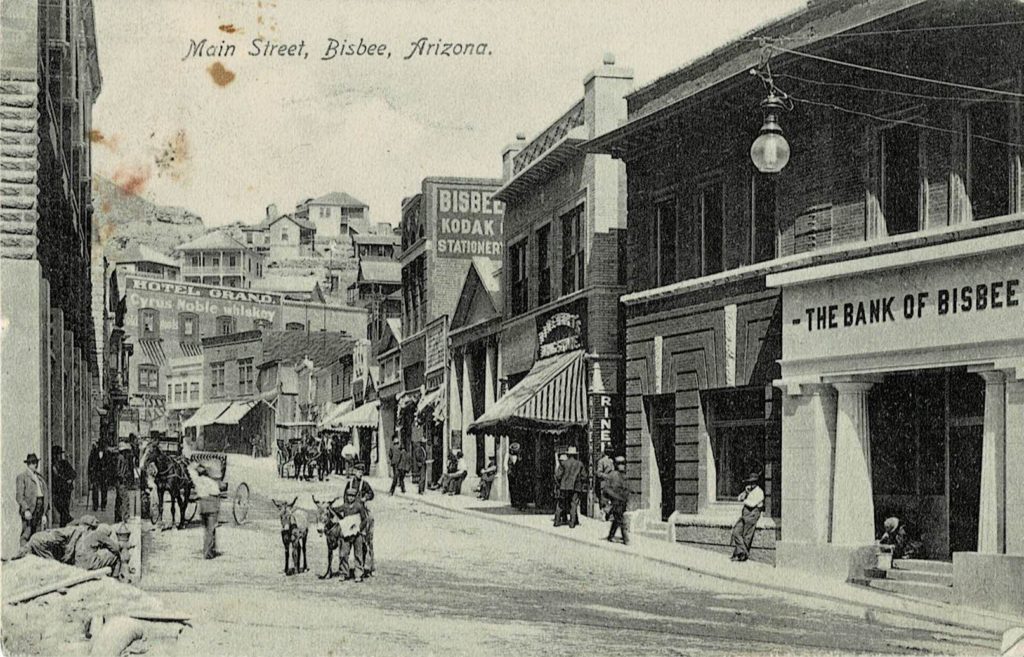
(847,85)
(906,30)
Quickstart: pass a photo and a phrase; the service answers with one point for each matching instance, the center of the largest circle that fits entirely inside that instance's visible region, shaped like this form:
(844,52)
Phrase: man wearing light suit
(32,498)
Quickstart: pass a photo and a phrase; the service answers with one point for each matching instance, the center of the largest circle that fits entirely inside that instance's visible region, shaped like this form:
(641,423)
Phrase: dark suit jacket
(399,458)
(569,474)
(419,453)
(28,491)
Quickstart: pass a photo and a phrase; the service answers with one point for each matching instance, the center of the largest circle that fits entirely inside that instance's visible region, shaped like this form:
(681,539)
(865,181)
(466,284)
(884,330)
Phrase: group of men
(611,489)
(83,542)
(403,463)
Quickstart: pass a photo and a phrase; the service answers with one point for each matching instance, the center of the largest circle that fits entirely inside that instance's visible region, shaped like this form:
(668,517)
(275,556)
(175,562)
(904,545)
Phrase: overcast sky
(284,129)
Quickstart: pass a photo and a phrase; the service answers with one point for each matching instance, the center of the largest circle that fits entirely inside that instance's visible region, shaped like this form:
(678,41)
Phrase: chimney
(510,152)
(272,212)
(604,92)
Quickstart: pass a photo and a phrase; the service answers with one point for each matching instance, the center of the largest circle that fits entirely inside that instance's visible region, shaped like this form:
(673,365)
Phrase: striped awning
(153,351)
(552,397)
(191,349)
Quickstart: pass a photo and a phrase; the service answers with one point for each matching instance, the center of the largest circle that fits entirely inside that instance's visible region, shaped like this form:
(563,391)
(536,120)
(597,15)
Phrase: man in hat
(97,548)
(616,496)
(124,480)
(59,544)
(605,466)
(62,477)
(364,493)
(458,474)
(419,464)
(487,476)
(398,457)
(743,531)
(98,469)
(569,475)
(32,498)
(516,476)
(354,543)
(207,487)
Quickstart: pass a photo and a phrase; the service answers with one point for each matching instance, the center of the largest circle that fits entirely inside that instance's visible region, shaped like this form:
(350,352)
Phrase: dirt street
(452,584)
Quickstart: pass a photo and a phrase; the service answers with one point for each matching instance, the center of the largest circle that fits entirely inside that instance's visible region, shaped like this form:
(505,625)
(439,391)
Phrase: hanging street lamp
(770,151)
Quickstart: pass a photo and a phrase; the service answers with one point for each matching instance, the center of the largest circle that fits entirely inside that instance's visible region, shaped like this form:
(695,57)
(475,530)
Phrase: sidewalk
(872,604)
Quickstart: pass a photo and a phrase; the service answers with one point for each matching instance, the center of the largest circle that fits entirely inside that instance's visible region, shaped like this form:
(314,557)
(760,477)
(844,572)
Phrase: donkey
(294,530)
(328,527)
(170,474)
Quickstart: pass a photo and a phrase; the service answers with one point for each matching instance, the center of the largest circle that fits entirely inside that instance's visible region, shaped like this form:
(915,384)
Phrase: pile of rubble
(70,621)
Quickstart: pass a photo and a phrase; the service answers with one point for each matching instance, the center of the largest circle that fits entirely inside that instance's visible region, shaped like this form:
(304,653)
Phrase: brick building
(49,79)
(560,356)
(446,227)
(813,325)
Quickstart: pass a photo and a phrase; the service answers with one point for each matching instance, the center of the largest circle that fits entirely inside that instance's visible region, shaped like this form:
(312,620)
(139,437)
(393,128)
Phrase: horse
(323,461)
(299,459)
(170,474)
(294,531)
(327,526)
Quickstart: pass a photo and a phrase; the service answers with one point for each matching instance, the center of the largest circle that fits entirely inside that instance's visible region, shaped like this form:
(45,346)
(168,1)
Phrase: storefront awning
(431,405)
(235,412)
(366,416)
(331,418)
(206,414)
(552,397)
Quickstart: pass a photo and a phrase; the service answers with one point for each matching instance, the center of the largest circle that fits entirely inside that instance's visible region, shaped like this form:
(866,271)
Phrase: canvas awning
(235,412)
(331,418)
(552,397)
(431,405)
(206,414)
(366,416)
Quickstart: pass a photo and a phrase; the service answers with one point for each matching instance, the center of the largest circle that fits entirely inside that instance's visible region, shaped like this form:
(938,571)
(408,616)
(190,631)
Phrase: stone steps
(931,580)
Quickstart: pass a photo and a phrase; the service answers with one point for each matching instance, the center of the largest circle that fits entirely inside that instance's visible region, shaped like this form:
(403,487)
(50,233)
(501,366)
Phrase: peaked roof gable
(475,301)
(338,198)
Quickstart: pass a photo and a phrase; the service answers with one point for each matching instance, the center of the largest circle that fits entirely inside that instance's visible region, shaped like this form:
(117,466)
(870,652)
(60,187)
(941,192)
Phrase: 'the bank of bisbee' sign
(468,223)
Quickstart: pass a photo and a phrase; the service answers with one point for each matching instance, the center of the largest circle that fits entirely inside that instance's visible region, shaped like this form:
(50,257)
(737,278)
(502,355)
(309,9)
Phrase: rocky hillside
(123,219)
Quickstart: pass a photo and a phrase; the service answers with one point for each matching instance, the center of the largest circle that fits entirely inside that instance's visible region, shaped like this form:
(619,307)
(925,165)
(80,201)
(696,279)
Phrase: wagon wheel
(240,505)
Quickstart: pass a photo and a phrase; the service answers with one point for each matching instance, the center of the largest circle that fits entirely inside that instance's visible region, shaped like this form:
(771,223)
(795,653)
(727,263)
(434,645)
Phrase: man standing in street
(605,467)
(616,496)
(569,475)
(62,478)
(98,469)
(124,481)
(514,472)
(419,462)
(208,490)
(364,493)
(743,531)
(398,457)
(31,494)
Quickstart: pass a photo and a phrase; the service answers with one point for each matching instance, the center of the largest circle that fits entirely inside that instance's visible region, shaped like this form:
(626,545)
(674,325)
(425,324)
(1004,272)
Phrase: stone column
(489,372)
(468,440)
(853,507)
(808,448)
(1015,464)
(992,511)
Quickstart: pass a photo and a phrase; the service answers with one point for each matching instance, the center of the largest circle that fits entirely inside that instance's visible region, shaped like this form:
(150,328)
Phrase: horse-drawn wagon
(217,464)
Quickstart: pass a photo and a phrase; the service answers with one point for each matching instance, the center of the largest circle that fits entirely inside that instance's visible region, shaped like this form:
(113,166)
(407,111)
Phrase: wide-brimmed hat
(620,460)
(358,466)
(56,449)
(752,478)
(572,451)
(514,447)
(123,445)
(31,458)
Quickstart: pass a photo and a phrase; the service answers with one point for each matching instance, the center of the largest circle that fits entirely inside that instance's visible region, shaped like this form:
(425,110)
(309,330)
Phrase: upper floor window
(225,325)
(246,376)
(193,391)
(188,327)
(216,379)
(712,229)
(195,261)
(215,261)
(544,265)
(149,323)
(763,213)
(284,235)
(989,180)
(295,326)
(179,392)
(665,236)
(572,250)
(248,237)
(149,378)
(232,261)
(518,280)
(262,324)
(901,179)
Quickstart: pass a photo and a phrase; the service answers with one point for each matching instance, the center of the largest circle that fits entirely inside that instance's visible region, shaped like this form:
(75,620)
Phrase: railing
(555,132)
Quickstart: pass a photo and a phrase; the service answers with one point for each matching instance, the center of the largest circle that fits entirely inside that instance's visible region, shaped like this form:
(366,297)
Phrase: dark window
(149,323)
(215,261)
(518,281)
(232,261)
(709,208)
(248,237)
(665,252)
(225,325)
(544,265)
(188,327)
(989,161)
(295,326)
(572,250)
(901,179)
(262,324)
(738,424)
(763,214)
(246,376)
(149,378)
(216,379)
